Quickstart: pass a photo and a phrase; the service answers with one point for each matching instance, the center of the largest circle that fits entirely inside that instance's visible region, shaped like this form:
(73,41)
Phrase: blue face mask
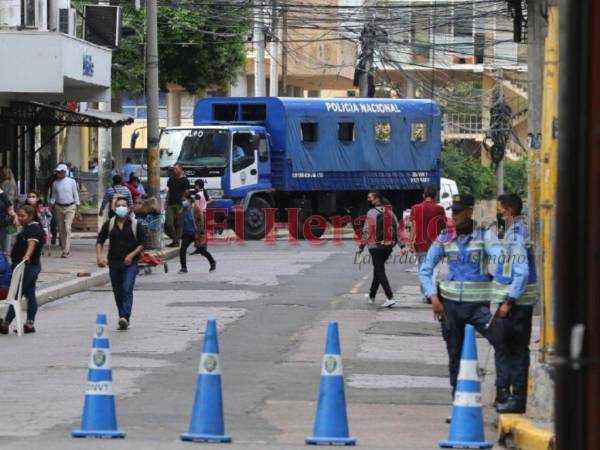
(122,211)
(185,203)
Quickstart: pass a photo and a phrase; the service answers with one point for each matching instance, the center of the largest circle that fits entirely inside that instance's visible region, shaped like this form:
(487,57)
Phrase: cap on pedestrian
(460,202)
(61,168)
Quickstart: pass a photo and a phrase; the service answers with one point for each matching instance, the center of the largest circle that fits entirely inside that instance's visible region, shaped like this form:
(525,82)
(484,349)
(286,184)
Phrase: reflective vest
(468,279)
(517,233)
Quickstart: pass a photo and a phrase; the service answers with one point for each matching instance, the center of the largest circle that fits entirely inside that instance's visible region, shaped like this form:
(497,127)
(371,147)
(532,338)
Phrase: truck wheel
(254,219)
(303,216)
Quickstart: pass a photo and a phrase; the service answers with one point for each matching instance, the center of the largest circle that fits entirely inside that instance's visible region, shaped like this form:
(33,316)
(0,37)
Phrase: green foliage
(473,178)
(515,177)
(200,45)
(469,174)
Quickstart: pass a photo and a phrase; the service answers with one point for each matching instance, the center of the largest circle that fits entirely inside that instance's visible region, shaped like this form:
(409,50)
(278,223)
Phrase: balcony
(463,126)
(48,66)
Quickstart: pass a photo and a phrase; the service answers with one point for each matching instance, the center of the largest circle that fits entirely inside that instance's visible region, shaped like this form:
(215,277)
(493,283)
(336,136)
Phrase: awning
(34,113)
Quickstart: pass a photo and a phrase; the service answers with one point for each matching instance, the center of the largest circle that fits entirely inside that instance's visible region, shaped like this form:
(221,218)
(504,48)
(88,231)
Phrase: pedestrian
(118,189)
(128,169)
(428,219)
(464,294)
(28,248)
(133,186)
(127,237)
(43,214)
(202,200)
(71,170)
(177,185)
(194,230)
(8,184)
(515,313)
(93,165)
(7,218)
(380,234)
(48,196)
(65,199)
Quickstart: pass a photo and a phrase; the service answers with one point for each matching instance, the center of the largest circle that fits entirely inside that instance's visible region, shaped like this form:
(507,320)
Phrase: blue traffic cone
(207,423)
(99,419)
(331,420)
(466,429)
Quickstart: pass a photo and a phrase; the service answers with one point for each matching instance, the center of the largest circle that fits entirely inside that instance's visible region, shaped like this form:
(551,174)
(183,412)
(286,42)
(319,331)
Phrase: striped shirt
(116,191)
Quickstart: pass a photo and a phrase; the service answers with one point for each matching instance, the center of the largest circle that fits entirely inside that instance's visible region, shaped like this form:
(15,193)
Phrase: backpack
(384,237)
(134,223)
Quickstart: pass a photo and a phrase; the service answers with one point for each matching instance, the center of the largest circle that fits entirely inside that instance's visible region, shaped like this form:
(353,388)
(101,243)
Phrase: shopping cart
(152,224)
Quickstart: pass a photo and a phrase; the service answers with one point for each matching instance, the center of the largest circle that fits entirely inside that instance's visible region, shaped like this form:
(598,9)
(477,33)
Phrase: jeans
(122,279)
(174,222)
(512,352)
(420,261)
(30,277)
(186,240)
(378,257)
(459,314)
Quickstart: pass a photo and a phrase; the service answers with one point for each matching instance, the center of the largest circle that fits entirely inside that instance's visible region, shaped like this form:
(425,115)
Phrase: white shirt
(65,192)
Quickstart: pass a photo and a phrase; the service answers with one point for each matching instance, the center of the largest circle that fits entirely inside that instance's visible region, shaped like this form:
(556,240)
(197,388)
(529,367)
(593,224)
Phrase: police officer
(515,312)
(466,289)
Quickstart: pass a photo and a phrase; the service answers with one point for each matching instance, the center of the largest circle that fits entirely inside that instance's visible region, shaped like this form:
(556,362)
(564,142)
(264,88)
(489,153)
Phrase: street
(272,304)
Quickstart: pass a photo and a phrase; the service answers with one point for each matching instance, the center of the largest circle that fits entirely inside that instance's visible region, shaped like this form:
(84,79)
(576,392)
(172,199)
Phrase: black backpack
(389,236)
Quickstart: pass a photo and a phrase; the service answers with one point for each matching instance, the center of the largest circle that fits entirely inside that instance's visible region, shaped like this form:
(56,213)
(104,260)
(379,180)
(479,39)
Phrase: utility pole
(367,38)
(259,51)
(105,157)
(274,51)
(284,52)
(152,98)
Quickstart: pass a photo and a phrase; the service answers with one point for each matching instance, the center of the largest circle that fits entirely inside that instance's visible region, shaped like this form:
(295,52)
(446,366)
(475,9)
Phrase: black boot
(502,395)
(514,405)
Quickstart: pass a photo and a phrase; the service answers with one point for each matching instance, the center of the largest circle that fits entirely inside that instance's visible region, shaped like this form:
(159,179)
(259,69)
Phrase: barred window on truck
(309,132)
(346,132)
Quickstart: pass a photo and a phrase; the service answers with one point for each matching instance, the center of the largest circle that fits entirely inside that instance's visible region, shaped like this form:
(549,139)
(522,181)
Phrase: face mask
(185,203)
(32,201)
(122,211)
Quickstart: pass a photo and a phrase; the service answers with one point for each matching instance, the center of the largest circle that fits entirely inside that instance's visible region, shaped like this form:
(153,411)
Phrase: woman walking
(28,248)
(194,230)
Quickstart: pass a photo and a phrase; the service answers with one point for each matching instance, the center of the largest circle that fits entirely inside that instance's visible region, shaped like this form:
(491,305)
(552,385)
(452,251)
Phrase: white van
(448,188)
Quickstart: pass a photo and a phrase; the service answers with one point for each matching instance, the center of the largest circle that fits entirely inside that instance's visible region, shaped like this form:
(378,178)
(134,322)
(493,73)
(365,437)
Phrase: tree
(515,176)
(470,176)
(200,45)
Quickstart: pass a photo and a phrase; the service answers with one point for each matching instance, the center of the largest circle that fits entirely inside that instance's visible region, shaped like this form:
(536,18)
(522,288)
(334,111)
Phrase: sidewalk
(66,276)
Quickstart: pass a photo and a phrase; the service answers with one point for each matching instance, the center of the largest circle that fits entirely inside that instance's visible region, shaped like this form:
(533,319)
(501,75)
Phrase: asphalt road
(272,304)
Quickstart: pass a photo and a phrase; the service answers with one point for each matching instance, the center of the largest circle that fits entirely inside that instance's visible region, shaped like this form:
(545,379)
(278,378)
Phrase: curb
(97,278)
(516,432)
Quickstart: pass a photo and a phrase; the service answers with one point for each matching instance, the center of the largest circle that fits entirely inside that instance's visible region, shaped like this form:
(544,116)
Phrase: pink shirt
(201,201)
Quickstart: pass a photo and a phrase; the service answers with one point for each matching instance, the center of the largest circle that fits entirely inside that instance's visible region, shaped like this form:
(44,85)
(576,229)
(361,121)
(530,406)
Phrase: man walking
(381,220)
(118,189)
(127,239)
(65,200)
(515,312)
(177,186)
(428,220)
(128,169)
(465,292)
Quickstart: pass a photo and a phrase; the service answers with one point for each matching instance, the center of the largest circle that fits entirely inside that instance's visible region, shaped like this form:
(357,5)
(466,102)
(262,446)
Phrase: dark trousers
(458,315)
(174,222)
(30,276)
(378,257)
(512,351)
(122,279)
(186,240)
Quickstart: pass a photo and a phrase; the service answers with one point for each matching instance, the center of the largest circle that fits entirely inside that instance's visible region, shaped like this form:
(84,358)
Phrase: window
(225,112)
(254,112)
(263,152)
(309,132)
(383,132)
(346,132)
(418,132)
(242,154)
(463,20)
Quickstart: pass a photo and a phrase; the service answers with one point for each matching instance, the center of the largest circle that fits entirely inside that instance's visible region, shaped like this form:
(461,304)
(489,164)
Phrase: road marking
(356,288)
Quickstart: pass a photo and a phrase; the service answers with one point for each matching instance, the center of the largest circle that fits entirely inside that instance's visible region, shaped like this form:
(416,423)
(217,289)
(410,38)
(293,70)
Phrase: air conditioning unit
(66,21)
(102,25)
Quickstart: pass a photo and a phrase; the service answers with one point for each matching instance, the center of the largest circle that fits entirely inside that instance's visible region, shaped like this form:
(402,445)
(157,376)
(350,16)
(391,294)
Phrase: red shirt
(428,219)
(135,194)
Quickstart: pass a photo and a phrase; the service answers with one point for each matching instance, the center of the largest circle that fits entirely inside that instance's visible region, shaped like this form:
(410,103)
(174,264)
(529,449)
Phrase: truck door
(244,161)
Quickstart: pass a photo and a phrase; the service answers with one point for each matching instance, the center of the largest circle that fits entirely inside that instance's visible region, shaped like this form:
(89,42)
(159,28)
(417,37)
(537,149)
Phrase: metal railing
(459,123)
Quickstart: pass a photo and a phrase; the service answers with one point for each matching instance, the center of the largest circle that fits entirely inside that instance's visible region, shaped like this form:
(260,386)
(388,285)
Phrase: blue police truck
(320,156)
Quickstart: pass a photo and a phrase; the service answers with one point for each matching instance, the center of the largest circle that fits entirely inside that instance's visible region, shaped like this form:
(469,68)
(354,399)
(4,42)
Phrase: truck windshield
(194,147)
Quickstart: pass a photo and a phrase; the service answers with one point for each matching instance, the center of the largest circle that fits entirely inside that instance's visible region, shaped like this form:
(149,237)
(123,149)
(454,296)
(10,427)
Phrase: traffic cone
(207,423)
(331,420)
(466,429)
(99,419)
